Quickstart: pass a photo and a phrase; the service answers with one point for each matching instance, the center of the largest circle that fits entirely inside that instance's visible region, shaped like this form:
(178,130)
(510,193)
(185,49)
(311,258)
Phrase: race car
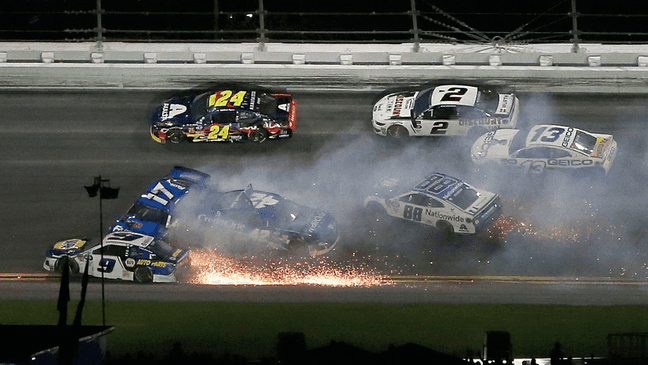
(126,256)
(547,147)
(268,218)
(151,213)
(224,115)
(440,201)
(444,110)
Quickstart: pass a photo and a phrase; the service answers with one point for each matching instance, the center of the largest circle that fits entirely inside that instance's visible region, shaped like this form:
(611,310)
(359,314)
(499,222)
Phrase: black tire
(143,275)
(72,264)
(397,131)
(175,136)
(445,228)
(258,136)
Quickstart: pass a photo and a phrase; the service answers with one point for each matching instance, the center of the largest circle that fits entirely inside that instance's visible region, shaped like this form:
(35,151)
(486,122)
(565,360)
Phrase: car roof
(440,185)
(124,238)
(467,98)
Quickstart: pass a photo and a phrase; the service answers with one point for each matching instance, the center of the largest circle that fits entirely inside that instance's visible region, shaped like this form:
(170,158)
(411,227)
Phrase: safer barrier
(595,68)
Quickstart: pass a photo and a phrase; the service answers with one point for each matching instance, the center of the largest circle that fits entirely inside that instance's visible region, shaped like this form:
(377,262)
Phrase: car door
(412,206)
(112,263)
(535,160)
(438,121)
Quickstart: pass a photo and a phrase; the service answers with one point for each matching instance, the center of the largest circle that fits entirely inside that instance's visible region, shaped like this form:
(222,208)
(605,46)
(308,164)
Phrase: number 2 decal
(439,128)
(454,94)
(226,97)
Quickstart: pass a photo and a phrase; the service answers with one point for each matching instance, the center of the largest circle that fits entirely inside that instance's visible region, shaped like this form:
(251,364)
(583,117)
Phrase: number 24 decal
(225,97)
(216,132)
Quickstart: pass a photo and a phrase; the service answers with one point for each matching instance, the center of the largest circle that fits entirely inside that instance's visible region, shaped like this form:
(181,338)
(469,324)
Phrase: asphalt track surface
(55,141)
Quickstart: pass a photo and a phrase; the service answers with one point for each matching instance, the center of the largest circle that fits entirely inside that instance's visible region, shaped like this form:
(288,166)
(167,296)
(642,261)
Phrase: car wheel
(397,131)
(175,135)
(258,136)
(143,275)
(445,228)
(72,264)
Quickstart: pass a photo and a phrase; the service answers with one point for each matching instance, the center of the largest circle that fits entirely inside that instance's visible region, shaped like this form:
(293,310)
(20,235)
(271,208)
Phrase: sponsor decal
(568,136)
(398,105)
(463,228)
(130,262)
(225,223)
(147,262)
(447,217)
(565,163)
(316,220)
(486,122)
(171,110)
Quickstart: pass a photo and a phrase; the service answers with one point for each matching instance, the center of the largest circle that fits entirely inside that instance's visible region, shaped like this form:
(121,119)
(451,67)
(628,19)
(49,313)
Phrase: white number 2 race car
(445,110)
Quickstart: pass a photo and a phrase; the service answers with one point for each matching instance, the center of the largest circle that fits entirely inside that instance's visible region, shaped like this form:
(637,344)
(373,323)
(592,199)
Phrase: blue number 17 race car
(224,115)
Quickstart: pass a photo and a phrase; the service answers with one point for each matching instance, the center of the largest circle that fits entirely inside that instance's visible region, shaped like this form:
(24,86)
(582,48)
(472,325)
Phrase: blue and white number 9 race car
(441,201)
(126,256)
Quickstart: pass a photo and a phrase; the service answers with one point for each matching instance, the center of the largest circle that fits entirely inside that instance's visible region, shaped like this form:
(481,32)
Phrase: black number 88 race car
(224,116)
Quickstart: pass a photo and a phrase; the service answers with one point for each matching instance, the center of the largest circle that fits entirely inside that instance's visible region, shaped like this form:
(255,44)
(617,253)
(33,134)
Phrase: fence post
(415,26)
(262,30)
(99,27)
(574,30)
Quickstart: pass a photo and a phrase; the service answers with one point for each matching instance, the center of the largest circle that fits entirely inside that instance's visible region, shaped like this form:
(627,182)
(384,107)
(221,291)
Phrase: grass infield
(251,329)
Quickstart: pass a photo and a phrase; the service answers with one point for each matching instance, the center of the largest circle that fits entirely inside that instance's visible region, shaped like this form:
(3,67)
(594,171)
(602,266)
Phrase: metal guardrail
(333,21)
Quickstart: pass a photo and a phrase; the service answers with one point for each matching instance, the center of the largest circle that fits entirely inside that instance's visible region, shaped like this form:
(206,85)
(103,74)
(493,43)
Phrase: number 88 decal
(412,213)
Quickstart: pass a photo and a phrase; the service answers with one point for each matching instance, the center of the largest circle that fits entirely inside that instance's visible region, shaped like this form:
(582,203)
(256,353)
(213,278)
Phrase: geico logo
(554,162)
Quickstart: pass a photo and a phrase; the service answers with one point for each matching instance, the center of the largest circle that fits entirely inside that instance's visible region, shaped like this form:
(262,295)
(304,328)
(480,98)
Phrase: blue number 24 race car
(224,116)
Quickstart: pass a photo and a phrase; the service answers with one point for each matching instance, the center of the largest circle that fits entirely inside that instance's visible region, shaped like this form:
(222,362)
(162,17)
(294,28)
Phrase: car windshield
(487,100)
(584,142)
(234,200)
(464,197)
(198,106)
(267,104)
(422,103)
(146,213)
(162,249)
(518,142)
(289,211)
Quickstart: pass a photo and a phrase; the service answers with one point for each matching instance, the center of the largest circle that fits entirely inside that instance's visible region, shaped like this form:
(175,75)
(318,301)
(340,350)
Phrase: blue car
(151,213)
(224,115)
(183,201)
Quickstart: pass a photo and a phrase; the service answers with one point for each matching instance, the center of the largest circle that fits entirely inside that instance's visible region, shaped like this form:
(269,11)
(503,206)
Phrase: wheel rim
(257,136)
(175,136)
(398,132)
(143,275)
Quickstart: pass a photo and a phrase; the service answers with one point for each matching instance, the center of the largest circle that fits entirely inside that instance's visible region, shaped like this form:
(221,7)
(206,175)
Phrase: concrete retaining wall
(555,68)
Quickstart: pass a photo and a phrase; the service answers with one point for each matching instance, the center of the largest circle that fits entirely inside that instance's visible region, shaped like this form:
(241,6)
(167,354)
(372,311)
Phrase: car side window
(444,112)
(111,250)
(414,198)
(224,117)
(433,203)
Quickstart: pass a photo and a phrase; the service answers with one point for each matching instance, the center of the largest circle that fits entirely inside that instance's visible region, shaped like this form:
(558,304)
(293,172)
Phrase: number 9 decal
(106,265)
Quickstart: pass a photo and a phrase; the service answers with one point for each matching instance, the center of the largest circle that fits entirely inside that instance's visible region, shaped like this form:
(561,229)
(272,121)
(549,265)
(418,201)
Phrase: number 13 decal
(226,97)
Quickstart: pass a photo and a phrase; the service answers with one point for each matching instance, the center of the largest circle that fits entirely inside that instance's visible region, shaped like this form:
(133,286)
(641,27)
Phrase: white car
(446,110)
(126,256)
(441,201)
(547,147)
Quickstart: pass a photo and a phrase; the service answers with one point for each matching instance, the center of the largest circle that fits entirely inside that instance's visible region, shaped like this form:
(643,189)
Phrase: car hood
(396,105)
(175,111)
(493,145)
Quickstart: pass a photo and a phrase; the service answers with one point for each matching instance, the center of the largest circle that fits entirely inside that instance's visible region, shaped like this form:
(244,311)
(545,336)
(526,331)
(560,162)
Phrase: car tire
(397,131)
(175,136)
(143,275)
(258,136)
(72,264)
(445,228)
